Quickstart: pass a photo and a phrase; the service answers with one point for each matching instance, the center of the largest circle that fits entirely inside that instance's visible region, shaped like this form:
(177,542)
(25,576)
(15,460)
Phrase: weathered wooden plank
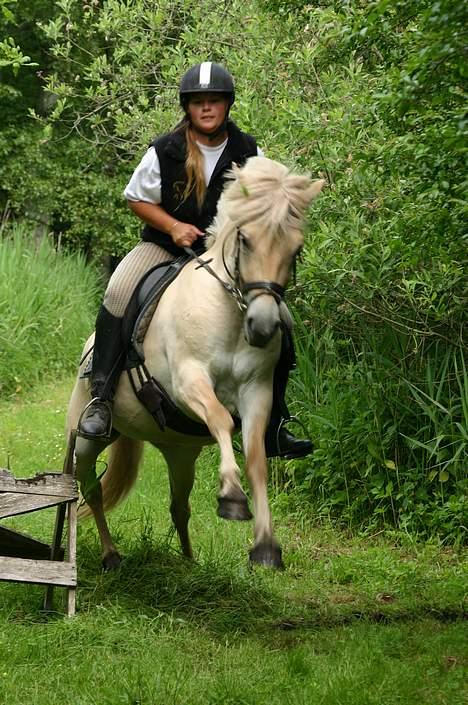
(48,483)
(72,526)
(22,570)
(71,602)
(13,503)
(19,545)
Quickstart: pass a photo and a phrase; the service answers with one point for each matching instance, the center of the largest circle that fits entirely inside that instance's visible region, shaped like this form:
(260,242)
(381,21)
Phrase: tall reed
(48,301)
(390,433)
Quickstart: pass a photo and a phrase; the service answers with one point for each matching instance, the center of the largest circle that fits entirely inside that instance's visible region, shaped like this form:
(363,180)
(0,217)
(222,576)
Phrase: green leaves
(12,56)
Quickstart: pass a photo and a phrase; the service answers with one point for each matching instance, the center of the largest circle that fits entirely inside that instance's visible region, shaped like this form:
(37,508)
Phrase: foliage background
(370,94)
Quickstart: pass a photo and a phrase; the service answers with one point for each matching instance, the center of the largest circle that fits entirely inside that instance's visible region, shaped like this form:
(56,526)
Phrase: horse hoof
(111,561)
(234,509)
(267,554)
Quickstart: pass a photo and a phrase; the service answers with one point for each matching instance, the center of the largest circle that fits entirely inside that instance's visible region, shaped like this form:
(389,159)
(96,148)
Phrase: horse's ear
(315,188)
(235,170)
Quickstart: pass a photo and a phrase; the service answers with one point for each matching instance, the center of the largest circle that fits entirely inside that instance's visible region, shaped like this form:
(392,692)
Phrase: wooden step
(14,503)
(57,484)
(24,570)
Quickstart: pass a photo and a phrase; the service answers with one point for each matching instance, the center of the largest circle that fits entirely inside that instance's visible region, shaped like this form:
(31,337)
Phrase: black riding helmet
(207,77)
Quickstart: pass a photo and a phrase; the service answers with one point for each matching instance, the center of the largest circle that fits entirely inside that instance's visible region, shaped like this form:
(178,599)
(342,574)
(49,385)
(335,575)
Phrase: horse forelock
(263,192)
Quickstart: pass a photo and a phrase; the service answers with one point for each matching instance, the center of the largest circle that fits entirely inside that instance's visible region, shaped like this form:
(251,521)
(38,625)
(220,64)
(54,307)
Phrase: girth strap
(158,403)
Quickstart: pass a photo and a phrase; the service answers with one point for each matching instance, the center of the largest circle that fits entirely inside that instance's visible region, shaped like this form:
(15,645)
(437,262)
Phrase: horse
(213,343)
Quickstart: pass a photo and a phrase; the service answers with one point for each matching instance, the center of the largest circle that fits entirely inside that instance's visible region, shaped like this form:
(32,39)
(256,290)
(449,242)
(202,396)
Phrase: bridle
(240,288)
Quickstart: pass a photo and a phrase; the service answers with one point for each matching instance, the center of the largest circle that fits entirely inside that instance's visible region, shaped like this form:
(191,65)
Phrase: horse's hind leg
(181,466)
(86,454)
(200,397)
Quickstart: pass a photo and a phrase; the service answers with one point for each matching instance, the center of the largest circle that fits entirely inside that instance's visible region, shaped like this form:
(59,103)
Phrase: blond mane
(263,191)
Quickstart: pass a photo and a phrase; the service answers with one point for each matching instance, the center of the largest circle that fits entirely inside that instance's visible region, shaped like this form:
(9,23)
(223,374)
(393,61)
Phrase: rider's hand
(184,234)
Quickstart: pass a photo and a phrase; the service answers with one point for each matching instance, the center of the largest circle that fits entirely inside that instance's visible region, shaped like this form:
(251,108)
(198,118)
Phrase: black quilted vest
(171,151)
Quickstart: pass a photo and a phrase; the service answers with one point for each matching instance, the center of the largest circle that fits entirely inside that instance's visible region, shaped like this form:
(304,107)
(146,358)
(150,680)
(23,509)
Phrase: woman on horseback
(174,191)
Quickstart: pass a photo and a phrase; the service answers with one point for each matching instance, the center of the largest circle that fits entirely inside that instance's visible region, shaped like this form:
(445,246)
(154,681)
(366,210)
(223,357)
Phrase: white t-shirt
(145,183)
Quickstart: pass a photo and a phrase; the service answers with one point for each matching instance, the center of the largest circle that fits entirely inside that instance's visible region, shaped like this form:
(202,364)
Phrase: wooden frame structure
(24,559)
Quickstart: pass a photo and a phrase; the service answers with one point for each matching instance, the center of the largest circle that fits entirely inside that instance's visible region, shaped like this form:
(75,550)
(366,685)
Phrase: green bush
(48,302)
(382,296)
(67,192)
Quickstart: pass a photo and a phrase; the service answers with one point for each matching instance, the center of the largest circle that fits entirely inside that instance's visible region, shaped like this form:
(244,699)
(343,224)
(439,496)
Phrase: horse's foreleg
(201,399)
(86,454)
(266,549)
(181,466)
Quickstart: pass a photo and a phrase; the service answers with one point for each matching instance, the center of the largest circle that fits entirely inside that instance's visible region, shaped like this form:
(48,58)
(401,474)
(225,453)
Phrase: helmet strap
(222,128)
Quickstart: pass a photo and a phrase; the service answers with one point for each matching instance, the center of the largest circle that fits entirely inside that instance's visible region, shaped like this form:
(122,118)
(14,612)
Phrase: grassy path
(350,621)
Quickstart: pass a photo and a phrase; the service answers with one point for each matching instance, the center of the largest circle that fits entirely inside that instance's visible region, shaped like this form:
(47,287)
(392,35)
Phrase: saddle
(137,318)
(142,306)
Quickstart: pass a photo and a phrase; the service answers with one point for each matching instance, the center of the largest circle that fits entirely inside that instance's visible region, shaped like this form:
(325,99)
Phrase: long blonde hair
(194,169)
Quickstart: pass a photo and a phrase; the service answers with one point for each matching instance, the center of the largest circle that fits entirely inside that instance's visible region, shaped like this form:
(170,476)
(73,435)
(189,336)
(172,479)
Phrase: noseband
(239,288)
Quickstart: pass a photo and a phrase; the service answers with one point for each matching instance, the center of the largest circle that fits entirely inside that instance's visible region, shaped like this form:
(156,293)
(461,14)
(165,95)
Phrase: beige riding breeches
(129,272)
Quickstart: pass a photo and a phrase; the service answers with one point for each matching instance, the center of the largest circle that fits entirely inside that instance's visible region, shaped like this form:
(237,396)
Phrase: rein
(240,288)
(234,291)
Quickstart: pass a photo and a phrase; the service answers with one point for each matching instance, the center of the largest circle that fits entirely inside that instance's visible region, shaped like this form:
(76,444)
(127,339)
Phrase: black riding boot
(96,421)
(278,441)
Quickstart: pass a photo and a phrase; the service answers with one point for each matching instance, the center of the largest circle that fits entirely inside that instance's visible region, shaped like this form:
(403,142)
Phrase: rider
(175,191)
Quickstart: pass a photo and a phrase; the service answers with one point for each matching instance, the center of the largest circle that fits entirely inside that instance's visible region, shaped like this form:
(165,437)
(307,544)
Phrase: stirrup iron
(102,436)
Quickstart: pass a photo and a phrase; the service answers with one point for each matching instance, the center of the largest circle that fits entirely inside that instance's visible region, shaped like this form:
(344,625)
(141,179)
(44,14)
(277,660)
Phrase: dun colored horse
(213,344)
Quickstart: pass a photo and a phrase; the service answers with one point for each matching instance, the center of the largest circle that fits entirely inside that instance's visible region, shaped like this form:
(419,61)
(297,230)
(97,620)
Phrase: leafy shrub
(66,192)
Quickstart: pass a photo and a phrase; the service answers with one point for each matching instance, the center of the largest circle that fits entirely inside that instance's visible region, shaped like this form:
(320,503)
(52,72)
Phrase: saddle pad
(87,369)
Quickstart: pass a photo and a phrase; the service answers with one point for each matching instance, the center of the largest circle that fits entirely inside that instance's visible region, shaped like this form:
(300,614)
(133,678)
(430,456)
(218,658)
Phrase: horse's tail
(121,474)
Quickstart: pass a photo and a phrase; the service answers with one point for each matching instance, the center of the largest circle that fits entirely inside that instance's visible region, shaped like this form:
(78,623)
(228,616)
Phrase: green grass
(351,619)
(48,303)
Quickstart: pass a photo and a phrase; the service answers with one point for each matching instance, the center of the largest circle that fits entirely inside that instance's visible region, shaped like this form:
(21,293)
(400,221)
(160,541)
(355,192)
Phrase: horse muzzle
(261,322)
